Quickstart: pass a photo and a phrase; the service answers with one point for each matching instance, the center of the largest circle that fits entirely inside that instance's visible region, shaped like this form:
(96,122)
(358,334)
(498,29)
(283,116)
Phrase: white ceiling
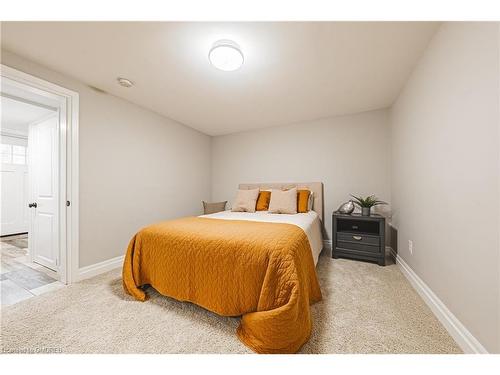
(293,71)
(17,115)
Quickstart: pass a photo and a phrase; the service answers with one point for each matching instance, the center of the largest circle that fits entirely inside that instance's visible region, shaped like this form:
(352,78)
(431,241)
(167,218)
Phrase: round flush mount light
(226,55)
(125,82)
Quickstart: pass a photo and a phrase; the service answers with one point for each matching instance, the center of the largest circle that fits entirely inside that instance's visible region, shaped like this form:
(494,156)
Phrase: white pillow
(283,201)
(245,200)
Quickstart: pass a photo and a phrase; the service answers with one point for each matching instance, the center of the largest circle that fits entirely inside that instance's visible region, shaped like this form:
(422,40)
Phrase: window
(18,154)
(6,153)
(13,154)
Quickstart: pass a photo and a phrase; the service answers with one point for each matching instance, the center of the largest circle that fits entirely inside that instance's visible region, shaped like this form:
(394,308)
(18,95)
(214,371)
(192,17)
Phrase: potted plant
(367,203)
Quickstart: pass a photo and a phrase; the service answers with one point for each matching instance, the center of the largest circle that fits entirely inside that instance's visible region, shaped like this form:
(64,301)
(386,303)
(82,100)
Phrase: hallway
(21,279)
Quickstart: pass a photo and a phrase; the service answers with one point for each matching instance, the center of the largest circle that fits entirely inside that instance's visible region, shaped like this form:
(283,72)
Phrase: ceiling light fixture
(226,55)
(125,82)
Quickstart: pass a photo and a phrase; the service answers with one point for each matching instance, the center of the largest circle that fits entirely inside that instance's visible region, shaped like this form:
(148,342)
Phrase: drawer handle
(354,227)
(357,238)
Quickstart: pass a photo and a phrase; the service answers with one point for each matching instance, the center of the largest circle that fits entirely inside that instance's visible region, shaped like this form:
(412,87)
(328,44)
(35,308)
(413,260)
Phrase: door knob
(30,205)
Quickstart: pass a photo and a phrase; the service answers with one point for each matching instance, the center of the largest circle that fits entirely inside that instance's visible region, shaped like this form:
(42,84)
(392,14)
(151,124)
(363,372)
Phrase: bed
(259,266)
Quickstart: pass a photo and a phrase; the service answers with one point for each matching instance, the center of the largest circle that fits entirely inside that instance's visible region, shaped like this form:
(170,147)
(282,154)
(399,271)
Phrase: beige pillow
(245,200)
(310,204)
(283,201)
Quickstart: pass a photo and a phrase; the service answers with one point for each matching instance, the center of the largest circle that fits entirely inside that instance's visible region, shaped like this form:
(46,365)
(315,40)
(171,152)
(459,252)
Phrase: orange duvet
(263,272)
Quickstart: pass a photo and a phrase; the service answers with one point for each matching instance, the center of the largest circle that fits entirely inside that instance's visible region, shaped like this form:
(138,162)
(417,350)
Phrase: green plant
(369,201)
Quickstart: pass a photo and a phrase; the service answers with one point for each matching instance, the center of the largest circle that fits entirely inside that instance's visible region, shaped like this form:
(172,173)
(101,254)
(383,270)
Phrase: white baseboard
(101,267)
(467,342)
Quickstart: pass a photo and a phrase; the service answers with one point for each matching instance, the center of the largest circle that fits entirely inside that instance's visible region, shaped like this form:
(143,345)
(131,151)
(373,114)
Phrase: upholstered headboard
(315,187)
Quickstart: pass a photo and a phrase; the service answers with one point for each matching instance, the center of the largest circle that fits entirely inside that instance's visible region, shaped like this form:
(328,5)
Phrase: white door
(44,177)
(14,186)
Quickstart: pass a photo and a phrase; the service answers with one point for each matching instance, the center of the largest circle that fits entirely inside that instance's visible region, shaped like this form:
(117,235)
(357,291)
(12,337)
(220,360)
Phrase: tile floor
(21,279)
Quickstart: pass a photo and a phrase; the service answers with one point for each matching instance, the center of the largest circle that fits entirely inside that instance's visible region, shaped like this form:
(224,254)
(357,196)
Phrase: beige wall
(136,167)
(349,154)
(445,173)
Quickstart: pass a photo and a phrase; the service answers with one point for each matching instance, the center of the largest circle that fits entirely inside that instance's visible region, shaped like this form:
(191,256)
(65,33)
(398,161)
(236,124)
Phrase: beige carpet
(365,309)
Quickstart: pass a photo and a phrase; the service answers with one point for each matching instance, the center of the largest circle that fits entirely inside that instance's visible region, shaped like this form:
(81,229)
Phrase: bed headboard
(315,187)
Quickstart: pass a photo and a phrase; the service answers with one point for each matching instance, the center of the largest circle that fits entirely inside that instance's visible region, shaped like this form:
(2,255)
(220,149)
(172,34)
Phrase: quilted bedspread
(263,272)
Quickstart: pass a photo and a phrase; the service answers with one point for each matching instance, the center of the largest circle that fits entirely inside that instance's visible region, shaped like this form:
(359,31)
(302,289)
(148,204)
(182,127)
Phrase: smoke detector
(125,82)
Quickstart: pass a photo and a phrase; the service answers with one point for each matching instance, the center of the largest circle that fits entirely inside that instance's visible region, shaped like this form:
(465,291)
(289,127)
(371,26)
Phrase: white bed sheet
(309,222)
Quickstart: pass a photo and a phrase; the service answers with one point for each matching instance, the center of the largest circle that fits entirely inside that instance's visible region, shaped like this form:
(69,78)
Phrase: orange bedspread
(262,271)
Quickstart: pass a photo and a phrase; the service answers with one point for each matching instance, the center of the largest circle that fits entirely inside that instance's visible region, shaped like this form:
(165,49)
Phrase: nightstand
(359,237)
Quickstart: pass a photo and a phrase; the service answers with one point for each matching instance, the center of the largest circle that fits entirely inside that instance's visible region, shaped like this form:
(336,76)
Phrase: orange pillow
(263,201)
(302,200)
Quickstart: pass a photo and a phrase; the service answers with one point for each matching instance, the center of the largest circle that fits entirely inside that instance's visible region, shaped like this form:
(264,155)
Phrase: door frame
(68,164)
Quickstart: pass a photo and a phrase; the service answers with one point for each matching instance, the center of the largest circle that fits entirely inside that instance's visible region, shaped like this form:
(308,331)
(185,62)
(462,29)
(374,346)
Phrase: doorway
(39,186)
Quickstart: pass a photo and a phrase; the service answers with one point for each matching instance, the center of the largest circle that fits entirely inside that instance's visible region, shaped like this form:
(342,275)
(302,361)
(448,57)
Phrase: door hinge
(68,203)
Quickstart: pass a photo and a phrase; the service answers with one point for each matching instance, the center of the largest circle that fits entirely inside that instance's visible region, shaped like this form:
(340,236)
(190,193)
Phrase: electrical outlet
(410,246)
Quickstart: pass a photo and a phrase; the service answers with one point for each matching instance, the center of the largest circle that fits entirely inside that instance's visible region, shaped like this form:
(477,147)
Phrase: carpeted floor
(365,309)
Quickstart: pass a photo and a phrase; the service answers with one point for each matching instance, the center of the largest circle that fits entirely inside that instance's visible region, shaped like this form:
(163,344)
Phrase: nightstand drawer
(358,226)
(358,247)
(359,238)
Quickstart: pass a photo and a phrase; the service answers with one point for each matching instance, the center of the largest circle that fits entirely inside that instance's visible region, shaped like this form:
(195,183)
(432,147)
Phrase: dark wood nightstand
(359,237)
